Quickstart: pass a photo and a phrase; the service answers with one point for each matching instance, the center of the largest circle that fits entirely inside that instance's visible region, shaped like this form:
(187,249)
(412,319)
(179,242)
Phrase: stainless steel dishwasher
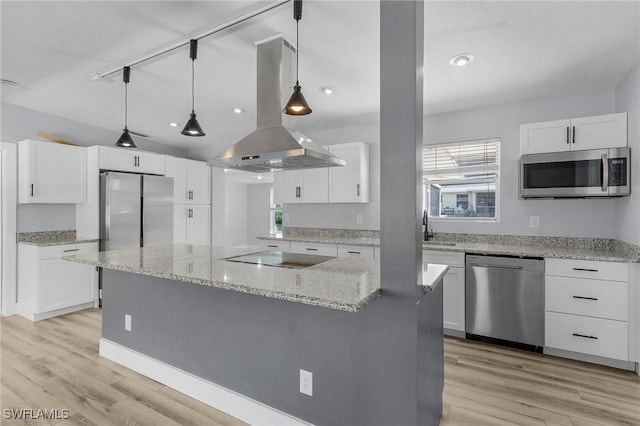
(505,300)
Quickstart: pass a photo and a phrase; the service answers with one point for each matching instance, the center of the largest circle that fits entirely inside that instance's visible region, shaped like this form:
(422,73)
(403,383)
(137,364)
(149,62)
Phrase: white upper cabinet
(301,186)
(191,180)
(602,131)
(51,173)
(350,184)
(126,160)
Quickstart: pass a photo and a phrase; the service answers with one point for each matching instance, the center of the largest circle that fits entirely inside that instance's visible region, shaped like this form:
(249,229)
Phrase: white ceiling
(523,50)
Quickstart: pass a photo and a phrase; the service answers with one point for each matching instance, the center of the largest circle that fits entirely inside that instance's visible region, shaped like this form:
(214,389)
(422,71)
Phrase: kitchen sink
(439,243)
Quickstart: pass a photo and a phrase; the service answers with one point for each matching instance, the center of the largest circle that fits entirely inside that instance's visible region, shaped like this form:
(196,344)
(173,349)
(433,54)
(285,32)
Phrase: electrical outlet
(534,221)
(127,322)
(359,218)
(306,382)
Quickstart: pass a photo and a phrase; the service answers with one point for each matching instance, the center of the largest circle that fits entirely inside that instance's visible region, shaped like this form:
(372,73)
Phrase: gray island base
(242,351)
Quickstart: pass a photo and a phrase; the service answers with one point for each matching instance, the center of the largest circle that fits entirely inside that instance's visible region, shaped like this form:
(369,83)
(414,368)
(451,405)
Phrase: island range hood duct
(274,145)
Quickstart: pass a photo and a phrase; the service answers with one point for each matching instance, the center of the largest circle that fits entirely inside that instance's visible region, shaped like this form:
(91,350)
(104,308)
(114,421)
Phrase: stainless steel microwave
(576,174)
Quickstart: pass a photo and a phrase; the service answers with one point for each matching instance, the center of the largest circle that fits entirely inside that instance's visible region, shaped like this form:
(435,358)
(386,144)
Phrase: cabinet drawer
(314,248)
(275,245)
(611,271)
(448,258)
(593,336)
(356,252)
(594,298)
(50,252)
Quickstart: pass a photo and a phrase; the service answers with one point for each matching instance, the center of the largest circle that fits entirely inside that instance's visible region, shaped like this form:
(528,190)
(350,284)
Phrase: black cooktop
(280,259)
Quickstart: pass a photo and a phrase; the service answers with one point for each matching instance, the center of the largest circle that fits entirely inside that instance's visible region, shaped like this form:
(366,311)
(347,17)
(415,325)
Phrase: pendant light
(297,104)
(125,140)
(192,128)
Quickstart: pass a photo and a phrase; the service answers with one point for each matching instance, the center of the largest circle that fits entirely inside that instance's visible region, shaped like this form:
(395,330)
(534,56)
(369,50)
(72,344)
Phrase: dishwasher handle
(484,265)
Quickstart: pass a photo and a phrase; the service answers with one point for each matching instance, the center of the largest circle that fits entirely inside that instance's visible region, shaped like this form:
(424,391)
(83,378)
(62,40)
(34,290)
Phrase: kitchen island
(236,335)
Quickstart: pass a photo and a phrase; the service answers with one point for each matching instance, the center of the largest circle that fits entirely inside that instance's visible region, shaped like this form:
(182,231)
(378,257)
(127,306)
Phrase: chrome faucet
(425,222)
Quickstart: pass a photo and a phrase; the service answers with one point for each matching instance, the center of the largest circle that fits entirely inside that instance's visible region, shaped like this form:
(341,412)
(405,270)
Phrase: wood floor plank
(55,364)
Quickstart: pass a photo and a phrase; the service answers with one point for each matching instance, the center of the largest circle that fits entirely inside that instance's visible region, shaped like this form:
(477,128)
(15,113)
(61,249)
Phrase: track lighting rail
(240,19)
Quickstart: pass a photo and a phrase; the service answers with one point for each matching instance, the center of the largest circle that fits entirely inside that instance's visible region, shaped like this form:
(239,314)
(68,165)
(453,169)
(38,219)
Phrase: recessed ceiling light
(259,177)
(462,59)
(237,110)
(173,124)
(327,90)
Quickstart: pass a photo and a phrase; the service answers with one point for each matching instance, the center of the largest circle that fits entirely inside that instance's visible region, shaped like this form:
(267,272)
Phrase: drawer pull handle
(585,336)
(272,245)
(585,269)
(585,298)
(311,249)
(67,251)
(354,252)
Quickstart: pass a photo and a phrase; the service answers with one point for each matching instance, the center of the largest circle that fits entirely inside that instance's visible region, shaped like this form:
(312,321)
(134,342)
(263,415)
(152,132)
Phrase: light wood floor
(55,364)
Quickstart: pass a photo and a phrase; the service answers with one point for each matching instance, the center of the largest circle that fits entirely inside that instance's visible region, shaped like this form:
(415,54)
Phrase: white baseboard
(623,365)
(228,401)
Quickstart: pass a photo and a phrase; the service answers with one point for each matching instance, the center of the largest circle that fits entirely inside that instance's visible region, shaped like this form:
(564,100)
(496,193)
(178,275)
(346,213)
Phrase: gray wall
(344,215)
(18,123)
(258,211)
(628,208)
(570,218)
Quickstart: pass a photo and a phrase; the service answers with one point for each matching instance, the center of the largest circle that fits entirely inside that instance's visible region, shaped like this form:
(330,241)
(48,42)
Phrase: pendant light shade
(125,140)
(192,128)
(297,104)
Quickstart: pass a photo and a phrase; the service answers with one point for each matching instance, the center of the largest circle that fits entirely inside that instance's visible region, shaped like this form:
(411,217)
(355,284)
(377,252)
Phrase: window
(461,180)
(275,216)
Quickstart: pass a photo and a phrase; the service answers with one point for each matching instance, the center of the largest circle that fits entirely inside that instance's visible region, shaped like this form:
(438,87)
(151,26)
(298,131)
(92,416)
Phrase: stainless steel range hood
(274,145)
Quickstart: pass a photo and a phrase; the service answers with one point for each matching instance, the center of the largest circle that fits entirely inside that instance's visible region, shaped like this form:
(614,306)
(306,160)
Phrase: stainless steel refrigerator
(135,210)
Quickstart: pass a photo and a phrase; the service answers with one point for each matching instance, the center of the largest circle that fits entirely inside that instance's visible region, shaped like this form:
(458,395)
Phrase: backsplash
(293,232)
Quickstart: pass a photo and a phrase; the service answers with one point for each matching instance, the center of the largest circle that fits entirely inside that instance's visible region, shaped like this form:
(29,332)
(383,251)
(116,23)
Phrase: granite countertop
(604,254)
(52,238)
(432,275)
(342,284)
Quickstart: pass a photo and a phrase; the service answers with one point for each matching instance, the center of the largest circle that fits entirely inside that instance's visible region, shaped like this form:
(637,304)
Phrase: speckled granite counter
(52,238)
(340,283)
(552,247)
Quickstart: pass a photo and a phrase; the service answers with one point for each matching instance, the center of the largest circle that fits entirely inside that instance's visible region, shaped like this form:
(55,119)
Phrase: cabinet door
(314,186)
(63,284)
(349,184)
(177,169)
(119,159)
(285,186)
(181,224)
(199,224)
(274,245)
(150,163)
(56,173)
(603,131)
(356,252)
(314,248)
(549,136)
(453,300)
(199,181)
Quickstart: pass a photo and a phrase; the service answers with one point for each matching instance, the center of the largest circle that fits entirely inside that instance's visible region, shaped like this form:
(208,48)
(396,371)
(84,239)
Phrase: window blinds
(473,161)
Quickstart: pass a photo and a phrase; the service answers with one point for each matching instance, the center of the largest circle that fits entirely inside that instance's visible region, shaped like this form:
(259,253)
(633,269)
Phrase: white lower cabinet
(274,245)
(314,248)
(586,308)
(50,286)
(453,296)
(191,224)
(356,252)
(587,335)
